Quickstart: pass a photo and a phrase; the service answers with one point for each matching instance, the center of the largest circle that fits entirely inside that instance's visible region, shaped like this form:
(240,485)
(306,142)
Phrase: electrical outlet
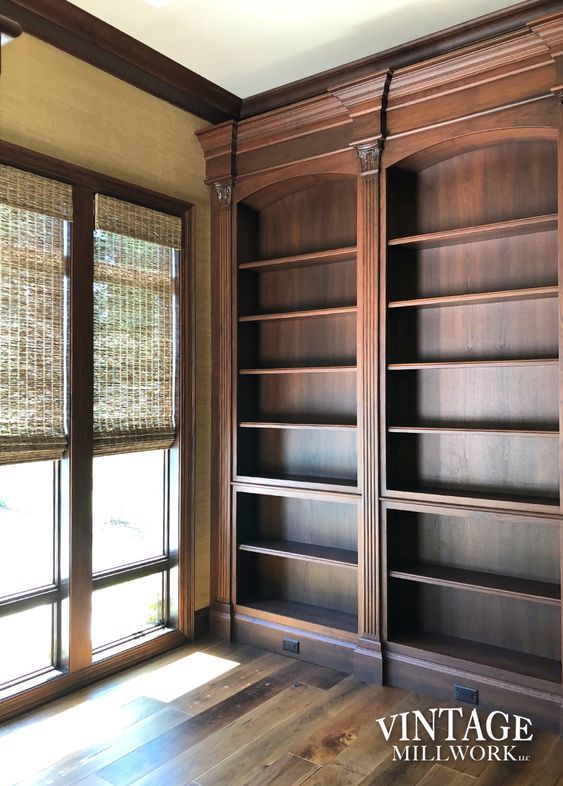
(470,695)
(290,645)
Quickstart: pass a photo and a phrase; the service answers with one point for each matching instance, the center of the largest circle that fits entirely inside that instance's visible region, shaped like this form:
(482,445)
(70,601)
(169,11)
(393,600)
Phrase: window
(35,216)
(135,269)
(91,294)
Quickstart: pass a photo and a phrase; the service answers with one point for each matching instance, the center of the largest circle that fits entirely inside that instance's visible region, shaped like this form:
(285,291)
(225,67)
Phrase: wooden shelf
(477,298)
(497,229)
(478,581)
(485,654)
(313,615)
(489,363)
(303,551)
(304,314)
(448,495)
(300,370)
(301,260)
(477,430)
(300,481)
(306,426)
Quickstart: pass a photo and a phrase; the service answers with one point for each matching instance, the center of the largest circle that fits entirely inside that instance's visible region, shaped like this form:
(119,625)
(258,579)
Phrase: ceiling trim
(83,35)
(498,23)
(64,25)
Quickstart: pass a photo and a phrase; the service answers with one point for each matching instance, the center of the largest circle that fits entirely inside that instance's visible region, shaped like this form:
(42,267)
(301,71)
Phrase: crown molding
(499,23)
(83,35)
(64,25)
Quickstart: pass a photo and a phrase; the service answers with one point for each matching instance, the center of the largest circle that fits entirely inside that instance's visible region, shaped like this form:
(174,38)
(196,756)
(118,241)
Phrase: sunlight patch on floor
(175,679)
(100,721)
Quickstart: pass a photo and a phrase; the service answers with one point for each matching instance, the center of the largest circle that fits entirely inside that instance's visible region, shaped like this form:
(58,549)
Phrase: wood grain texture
(290,723)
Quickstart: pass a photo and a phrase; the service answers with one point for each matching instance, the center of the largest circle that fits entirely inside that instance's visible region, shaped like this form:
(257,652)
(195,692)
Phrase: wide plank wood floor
(214,714)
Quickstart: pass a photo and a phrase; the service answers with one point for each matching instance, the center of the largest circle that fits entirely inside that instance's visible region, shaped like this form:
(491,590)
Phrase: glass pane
(26,643)
(128,608)
(128,508)
(26,517)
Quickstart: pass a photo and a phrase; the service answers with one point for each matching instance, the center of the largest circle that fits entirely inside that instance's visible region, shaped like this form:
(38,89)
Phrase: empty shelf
(301,260)
(496,229)
(303,551)
(477,298)
(478,581)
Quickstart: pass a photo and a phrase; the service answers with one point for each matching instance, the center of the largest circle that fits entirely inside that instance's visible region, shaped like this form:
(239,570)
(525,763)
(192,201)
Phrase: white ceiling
(248,46)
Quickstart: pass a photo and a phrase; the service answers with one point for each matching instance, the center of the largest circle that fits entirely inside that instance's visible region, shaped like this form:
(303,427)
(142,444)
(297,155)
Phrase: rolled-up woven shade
(134,327)
(32,316)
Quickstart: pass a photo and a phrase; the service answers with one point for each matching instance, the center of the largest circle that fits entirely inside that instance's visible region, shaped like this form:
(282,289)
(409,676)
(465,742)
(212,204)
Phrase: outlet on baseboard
(470,695)
(290,645)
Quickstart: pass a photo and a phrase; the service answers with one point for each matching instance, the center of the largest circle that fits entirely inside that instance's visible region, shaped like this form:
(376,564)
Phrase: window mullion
(81,427)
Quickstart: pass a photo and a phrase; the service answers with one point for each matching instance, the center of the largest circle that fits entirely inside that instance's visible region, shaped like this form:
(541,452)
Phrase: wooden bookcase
(472,348)
(387,374)
(296,403)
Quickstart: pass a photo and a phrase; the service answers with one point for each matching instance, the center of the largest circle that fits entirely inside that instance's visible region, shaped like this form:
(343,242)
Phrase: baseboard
(323,650)
(220,621)
(201,623)
(368,663)
(413,674)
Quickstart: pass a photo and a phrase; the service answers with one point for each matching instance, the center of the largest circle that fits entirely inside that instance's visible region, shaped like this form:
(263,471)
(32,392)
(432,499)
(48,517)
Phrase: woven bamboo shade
(32,316)
(135,251)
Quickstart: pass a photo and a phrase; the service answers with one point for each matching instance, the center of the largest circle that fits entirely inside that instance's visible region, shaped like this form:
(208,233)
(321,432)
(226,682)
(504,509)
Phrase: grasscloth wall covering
(58,105)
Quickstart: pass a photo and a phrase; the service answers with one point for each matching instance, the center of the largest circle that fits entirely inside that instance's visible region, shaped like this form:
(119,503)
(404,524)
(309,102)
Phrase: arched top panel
(298,216)
(474,180)
(451,148)
(261,199)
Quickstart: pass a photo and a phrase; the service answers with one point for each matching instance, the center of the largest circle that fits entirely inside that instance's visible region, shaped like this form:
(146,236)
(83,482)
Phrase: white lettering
(522,726)
(449,711)
(504,730)
(429,726)
(474,724)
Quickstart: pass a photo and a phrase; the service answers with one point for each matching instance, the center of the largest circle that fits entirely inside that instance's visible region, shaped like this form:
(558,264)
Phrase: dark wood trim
(45,165)
(187,428)
(121,574)
(201,623)
(442,42)
(83,35)
(9,27)
(81,426)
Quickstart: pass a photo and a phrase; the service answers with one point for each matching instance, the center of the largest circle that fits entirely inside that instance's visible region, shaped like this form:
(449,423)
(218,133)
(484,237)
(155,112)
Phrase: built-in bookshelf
(471,413)
(297,559)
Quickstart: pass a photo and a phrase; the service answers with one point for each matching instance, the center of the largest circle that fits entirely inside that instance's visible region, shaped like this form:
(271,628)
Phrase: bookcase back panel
(302,582)
(301,398)
(483,464)
(299,520)
(514,329)
(506,546)
(494,183)
(313,219)
(316,341)
(516,262)
(515,397)
(285,452)
(500,622)
(321,286)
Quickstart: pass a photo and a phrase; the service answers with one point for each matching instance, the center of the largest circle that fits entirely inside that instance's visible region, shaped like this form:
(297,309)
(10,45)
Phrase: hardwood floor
(216,714)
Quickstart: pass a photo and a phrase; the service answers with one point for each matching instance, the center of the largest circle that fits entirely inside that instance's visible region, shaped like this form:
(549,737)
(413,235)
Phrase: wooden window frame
(76,469)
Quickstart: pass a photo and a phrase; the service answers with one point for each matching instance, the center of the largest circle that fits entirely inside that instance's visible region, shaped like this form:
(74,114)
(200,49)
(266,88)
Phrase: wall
(53,103)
